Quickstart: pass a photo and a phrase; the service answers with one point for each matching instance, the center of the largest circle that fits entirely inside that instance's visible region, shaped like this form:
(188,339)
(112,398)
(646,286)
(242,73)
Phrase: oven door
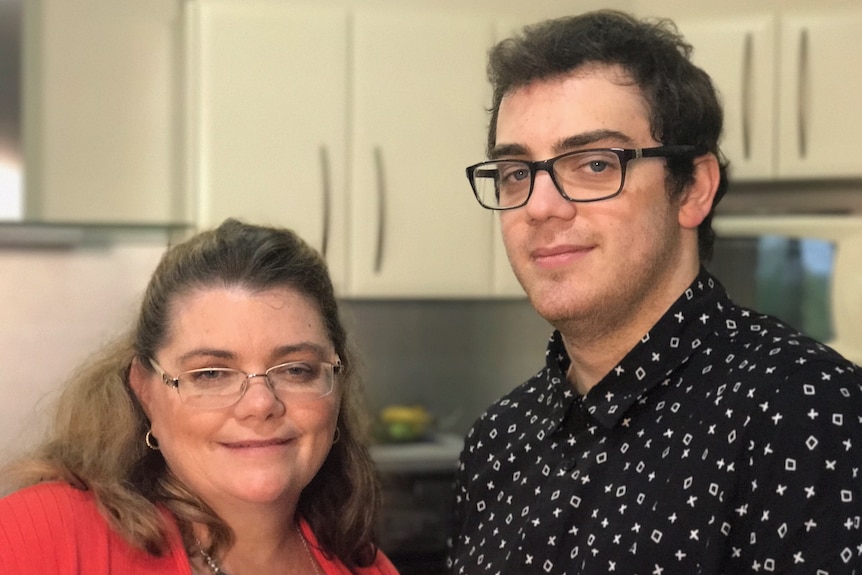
(416,517)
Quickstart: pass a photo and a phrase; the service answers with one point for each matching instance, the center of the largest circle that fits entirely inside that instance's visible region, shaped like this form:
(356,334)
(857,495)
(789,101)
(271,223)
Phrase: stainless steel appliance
(11,148)
(795,251)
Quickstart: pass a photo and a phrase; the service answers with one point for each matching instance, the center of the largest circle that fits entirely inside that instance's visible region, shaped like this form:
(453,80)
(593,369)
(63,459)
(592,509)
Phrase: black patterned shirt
(724,442)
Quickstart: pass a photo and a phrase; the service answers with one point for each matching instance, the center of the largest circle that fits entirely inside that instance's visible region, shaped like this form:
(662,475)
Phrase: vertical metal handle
(747,79)
(802,93)
(381,208)
(327,200)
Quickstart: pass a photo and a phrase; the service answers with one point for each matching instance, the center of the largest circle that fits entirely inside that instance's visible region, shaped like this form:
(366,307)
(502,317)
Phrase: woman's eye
(210,376)
(296,372)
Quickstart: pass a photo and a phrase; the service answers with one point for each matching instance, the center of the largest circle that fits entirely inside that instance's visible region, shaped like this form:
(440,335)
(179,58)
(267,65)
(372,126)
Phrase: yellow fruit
(410,414)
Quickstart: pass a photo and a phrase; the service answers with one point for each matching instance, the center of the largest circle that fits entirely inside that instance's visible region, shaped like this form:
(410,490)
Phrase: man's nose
(547,200)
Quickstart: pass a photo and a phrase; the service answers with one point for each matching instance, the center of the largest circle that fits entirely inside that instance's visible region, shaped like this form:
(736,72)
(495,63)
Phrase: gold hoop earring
(337,436)
(151,441)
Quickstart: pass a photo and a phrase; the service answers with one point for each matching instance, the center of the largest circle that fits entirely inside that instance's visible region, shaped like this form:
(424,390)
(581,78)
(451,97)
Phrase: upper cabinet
(103,112)
(739,55)
(819,114)
(419,94)
(787,82)
(269,107)
(352,126)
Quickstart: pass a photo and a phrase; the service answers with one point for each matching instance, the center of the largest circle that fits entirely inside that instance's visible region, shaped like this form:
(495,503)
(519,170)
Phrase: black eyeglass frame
(625,155)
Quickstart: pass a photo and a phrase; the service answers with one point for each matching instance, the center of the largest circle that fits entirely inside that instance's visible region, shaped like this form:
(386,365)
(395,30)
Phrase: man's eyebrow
(507,150)
(589,138)
(582,140)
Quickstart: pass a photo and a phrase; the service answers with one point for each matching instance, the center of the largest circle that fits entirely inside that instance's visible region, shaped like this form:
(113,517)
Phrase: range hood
(11,145)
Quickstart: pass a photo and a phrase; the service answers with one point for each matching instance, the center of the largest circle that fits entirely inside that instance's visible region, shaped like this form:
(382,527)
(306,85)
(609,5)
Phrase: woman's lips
(257,443)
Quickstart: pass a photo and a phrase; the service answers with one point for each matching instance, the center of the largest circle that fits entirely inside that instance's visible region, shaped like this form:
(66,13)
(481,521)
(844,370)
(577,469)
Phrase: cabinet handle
(381,208)
(802,87)
(327,200)
(747,78)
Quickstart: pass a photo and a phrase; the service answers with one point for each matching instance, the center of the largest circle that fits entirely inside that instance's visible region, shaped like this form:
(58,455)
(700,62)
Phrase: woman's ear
(698,196)
(140,382)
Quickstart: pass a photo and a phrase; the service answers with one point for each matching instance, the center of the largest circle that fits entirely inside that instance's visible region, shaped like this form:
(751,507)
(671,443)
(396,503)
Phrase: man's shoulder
(753,336)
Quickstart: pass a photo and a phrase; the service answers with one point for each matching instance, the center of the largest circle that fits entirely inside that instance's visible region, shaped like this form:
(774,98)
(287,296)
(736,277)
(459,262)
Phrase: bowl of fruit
(403,423)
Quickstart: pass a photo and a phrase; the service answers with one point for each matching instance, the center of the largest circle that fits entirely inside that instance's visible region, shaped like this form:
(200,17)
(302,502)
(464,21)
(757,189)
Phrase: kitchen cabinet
(504,282)
(418,118)
(787,82)
(352,126)
(102,113)
(269,85)
(819,117)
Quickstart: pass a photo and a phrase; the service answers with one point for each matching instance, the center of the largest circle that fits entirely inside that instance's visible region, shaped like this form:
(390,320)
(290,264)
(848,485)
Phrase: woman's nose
(259,397)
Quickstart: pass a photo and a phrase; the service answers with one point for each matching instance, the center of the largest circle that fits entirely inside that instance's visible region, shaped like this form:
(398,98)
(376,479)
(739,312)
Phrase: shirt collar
(680,332)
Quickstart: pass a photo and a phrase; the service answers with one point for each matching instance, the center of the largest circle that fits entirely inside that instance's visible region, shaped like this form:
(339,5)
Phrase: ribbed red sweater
(55,529)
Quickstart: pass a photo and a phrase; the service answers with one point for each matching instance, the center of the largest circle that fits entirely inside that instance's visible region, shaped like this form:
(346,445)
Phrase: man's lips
(559,254)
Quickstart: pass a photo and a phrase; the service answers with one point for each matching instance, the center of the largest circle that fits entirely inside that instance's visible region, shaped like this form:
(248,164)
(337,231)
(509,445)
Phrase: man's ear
(697,198)
(140,382)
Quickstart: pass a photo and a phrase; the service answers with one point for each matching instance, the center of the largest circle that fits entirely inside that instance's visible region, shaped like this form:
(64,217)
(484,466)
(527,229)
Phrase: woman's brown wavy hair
(97,438)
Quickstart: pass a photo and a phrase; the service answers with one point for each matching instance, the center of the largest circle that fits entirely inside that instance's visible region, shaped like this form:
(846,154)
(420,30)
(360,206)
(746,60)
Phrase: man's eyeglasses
(582,176)
(218,387)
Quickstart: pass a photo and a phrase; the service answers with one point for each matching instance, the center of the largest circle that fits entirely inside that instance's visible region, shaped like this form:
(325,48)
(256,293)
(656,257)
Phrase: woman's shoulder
(38,507)
(54,527)
(37,527)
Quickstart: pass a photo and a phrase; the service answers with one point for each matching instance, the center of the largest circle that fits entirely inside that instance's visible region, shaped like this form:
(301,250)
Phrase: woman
(223,435)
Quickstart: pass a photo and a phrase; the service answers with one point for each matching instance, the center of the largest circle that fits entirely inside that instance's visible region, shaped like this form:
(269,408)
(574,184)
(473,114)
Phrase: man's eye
(514,174)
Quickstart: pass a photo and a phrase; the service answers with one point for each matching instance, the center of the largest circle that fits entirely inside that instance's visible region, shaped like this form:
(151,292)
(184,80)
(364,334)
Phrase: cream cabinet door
(269,111)
(739,55)
(819,102)
(103,114)
(418,119)
(505,284)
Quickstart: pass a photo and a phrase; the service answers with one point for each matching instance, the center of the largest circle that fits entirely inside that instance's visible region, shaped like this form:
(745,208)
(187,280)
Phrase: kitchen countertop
(438,453)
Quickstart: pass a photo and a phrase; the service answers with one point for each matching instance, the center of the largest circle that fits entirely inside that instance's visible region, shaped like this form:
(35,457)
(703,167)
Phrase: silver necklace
(217,570)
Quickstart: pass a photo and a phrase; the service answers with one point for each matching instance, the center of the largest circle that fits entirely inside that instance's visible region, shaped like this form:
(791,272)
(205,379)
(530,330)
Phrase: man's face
(603,262)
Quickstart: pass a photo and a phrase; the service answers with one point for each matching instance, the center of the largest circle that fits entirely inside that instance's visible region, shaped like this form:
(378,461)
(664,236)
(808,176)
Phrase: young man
(670,431)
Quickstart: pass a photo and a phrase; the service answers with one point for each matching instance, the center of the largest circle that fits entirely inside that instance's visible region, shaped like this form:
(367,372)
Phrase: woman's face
(265,448)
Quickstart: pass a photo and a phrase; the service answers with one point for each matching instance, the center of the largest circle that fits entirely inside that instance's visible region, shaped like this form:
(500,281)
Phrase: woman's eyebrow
(317,348)
(206,352)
